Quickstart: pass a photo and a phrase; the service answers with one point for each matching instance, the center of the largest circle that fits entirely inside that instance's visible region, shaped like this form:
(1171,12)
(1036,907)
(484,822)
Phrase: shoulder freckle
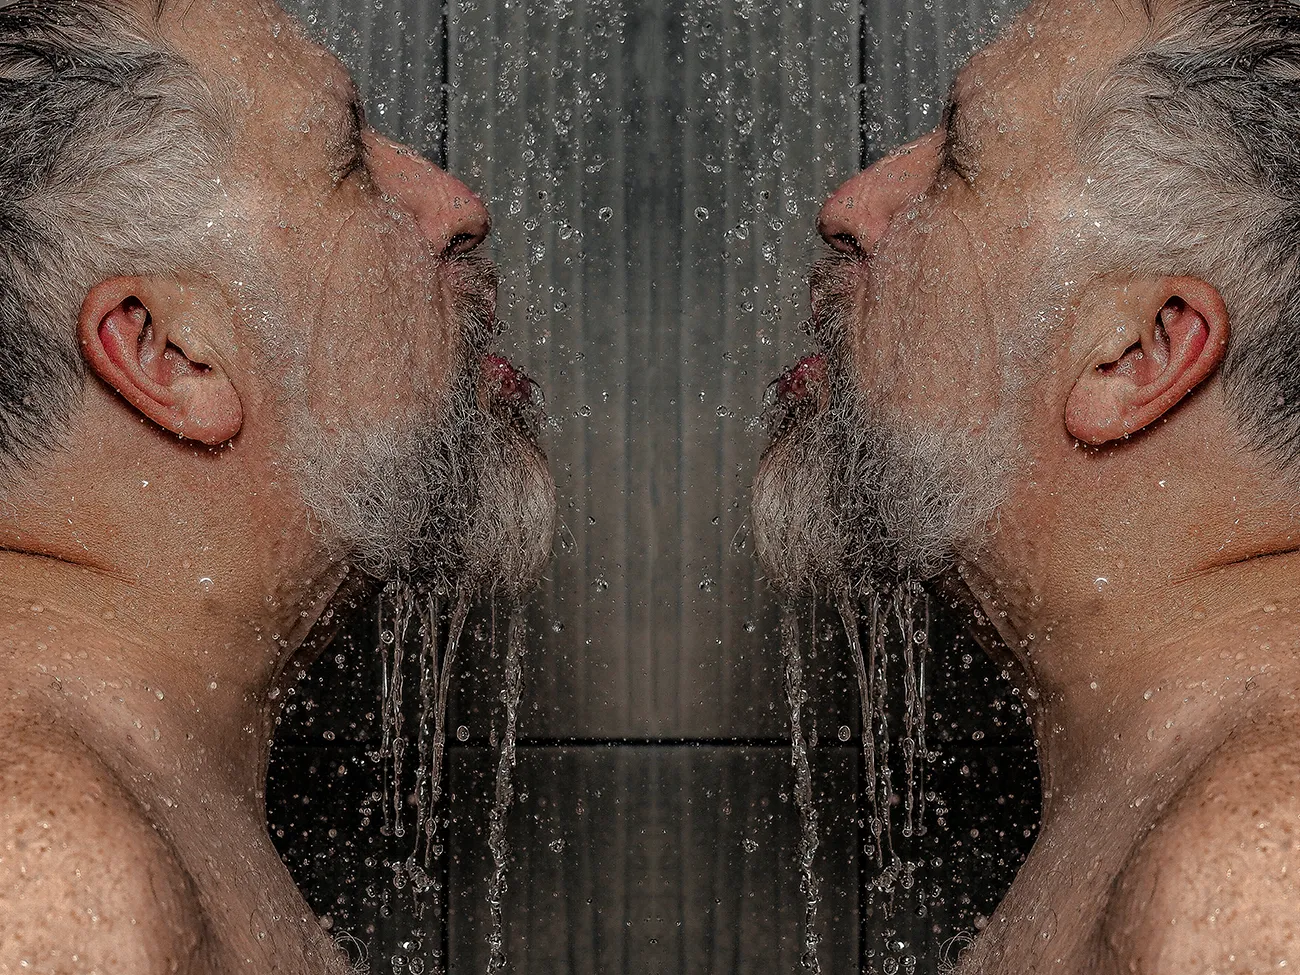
(86,882)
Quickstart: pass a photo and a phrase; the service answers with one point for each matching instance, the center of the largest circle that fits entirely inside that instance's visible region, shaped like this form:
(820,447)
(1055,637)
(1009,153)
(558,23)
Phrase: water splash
(497,839)
(809,884)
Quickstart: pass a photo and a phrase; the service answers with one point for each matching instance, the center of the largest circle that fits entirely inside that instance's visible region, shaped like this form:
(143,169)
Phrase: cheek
(925,345)
(384,336)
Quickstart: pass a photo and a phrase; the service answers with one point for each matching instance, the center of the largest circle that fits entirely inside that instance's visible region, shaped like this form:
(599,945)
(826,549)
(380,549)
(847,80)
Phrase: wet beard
(847,501)
(455,500)
(460,501)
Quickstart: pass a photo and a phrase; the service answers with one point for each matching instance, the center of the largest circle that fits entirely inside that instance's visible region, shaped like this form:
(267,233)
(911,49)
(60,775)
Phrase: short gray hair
(109,143)
(1193,145)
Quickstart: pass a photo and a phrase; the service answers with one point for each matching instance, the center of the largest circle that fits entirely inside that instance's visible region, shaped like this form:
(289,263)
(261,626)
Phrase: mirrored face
(938,322)
(368,318)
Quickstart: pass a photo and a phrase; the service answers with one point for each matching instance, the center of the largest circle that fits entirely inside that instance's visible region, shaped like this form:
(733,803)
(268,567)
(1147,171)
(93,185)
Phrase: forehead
(257,55)
(1025,78)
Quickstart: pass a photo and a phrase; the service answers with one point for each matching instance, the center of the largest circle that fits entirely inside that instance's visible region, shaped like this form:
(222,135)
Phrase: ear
(1160,340)
(151,340)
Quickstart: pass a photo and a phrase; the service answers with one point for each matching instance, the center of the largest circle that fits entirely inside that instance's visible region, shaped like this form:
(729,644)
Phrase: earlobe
(1163,341)
(137,335)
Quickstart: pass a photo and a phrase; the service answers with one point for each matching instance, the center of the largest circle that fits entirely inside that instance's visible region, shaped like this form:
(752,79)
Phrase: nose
(446,210)
(858,213)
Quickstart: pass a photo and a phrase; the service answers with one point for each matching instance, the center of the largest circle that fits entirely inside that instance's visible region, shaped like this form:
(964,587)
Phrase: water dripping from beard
(437,650)
(498,841)
(852,507)
(901,608)
(809,884)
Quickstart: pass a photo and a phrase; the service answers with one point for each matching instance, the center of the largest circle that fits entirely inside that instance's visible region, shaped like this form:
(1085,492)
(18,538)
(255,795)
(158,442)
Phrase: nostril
(461,244)
(846,243)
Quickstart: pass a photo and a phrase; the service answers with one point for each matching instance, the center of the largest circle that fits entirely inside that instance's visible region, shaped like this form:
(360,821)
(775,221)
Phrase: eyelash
(949,160)
(357,160)
(954,165)
(356,163)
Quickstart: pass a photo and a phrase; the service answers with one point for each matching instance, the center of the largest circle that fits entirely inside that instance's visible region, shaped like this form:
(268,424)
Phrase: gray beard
(458,502)
(454,500)
(847,500)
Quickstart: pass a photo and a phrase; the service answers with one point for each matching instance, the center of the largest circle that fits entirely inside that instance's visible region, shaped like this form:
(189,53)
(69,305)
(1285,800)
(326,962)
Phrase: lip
(505,382)
(512,395)
(796,396)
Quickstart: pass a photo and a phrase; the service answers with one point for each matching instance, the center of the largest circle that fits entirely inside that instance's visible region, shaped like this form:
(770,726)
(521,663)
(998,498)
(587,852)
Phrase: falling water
(808,882)
(392,643)
(439,680)
(497,840)
(871,667)
(866,698)
(437,658)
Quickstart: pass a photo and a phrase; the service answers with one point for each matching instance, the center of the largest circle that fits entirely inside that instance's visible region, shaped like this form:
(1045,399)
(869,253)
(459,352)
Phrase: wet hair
(108,146)
(1193,145)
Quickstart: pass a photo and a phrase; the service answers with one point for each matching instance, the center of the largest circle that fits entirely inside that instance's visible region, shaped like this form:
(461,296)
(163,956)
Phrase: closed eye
(352,156)
(956,156)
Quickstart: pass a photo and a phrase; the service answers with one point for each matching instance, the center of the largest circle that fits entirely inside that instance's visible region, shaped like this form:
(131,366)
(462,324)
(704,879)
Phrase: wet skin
(1146,584)
(155,588)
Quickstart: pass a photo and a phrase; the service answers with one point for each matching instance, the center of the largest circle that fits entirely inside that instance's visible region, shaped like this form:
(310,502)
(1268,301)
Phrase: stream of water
(897,623)
(809,884)
(437,660)
(497,834)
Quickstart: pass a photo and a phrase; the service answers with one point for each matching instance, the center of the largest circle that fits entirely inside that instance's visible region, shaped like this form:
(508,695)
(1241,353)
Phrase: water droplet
(844,734)
(462,733)
(606,214)
(386,636)
(600,583)
(701,214)
(205,583)
(556,845)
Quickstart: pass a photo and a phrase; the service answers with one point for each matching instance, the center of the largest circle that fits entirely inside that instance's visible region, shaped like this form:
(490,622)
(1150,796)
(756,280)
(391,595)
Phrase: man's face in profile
(367,317)
(937,320)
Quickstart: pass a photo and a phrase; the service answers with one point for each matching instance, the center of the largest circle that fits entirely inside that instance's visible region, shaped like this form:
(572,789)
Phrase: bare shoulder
(86,883)
(1215,885)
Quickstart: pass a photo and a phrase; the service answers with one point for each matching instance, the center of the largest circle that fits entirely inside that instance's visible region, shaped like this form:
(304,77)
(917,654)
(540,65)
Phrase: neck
(1139,676)
(163,670)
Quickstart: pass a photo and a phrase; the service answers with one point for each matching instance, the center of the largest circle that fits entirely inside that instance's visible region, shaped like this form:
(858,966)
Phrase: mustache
(833,283)
(820,383)
(472,281)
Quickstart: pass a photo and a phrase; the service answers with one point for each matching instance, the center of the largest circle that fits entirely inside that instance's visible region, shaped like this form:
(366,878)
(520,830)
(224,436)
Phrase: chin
(511,533)
(798,539)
